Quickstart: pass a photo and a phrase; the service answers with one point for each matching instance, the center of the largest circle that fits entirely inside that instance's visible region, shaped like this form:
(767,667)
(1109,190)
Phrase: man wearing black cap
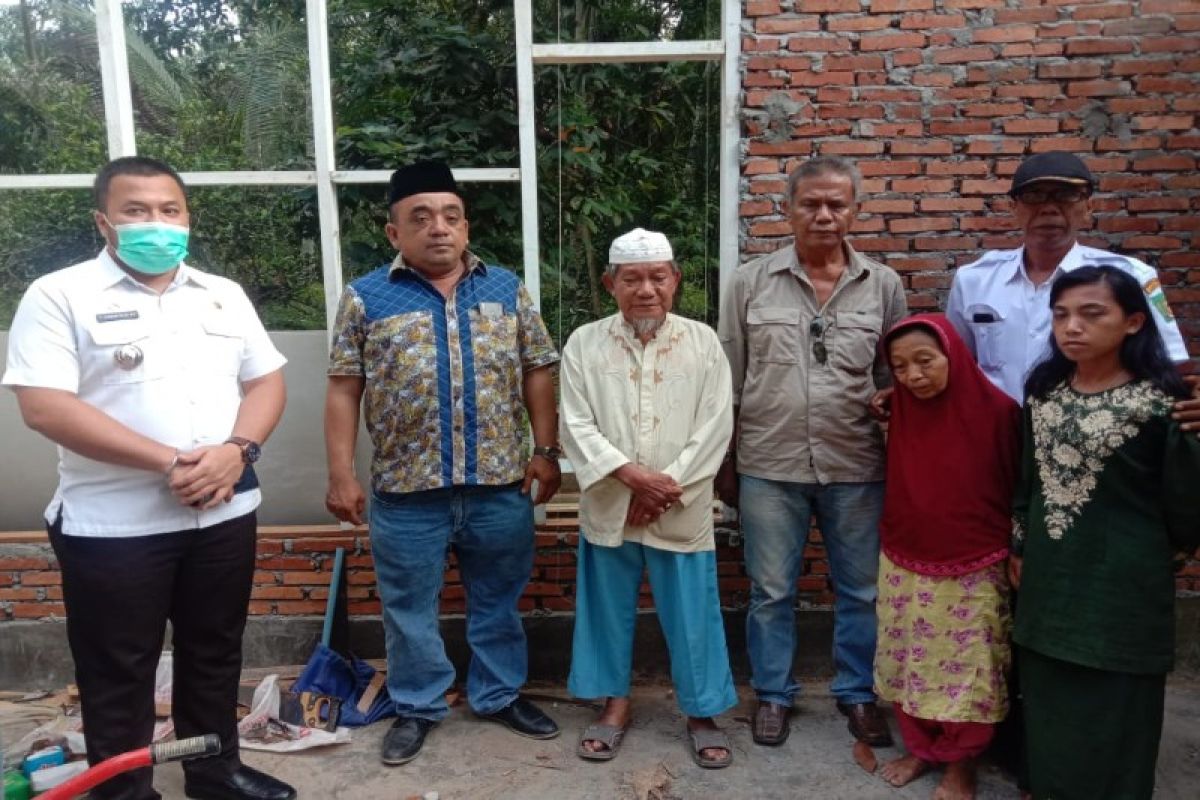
(454,364)
(1000,303)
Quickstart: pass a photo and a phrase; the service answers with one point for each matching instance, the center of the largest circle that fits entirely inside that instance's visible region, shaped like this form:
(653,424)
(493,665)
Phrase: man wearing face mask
(159,385)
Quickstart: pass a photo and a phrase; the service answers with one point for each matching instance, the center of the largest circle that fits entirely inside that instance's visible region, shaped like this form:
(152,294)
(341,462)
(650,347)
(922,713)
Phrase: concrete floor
(468,758)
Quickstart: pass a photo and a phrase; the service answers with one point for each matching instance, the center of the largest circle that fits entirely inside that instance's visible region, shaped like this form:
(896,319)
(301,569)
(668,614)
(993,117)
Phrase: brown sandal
(608,735)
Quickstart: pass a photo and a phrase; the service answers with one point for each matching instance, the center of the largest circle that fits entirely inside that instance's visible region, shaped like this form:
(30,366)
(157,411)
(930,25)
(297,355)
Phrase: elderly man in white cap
(646,413)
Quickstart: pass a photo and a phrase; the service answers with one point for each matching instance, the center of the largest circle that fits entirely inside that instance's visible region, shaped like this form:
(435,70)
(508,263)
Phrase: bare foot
(958,783)
(615,713)
(903,770)
(707,724)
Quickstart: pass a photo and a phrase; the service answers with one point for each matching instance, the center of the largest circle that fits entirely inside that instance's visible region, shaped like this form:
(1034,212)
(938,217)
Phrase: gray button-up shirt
(798,419)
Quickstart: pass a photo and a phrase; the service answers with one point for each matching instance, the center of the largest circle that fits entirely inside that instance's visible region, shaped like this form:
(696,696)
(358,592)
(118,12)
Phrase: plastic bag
(261,729)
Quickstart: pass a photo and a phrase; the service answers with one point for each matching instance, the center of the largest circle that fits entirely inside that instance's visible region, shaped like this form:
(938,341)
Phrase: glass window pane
(625,20)
(51,105)
(493,211)
(268,240)
(41,231)
(436,84)
(220,86)
(643,153)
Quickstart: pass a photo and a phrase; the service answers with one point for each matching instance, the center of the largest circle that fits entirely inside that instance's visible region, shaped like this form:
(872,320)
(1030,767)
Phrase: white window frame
(122,137)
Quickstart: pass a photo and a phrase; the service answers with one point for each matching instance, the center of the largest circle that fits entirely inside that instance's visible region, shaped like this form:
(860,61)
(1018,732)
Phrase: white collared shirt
(666,406)
(1006,320)
(185,353)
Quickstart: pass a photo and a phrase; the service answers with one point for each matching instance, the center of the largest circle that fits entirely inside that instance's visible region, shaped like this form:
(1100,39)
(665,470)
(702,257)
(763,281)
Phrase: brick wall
(939,100)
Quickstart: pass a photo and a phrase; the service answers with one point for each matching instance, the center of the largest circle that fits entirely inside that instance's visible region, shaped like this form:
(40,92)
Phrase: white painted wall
(292,469)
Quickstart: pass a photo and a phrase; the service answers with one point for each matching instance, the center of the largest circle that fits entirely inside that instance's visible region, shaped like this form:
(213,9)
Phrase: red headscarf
(952,463)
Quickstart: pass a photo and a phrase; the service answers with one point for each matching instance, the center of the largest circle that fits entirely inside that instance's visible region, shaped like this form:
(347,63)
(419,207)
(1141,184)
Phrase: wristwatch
(552,452)
(250,450)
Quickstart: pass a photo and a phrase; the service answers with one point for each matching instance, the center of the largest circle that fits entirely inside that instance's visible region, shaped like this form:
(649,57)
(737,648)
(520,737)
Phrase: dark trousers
(119,594)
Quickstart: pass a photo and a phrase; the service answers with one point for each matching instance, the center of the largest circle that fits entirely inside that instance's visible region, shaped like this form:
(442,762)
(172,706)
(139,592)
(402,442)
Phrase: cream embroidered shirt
(667,406)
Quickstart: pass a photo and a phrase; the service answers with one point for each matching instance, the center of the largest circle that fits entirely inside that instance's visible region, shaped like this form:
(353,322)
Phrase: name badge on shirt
(491,310)
(116,316)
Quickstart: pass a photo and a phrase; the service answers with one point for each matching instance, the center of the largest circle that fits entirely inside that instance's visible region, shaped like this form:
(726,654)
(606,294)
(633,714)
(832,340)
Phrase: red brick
(770,229)
(18,594)
(818,44)
(1069,30)
(1127,224)
(761,8)
(1090,47)
(993,109)
(15,564)
(985,187)
(1109,164)
(992,223)
(1158,243)
(966,127)
(1005,16)
(851,111)
(922,185)
(1168,6)
(262,578)
(822,78)
(946,243)
(960,55)
(793,147)
(856,24)
(891,41)
(1164,163)
(295,607)
(879,244)
(1172,123)
(827,6)
(930,281)
(1114,11)
(369,607)
(1182,223)
(958,93)
(931,21)
(929,147)
(285,562)
(952,204)
(1029,90)
(1031,126)
(920,224)
(1157,204)
(318,545)
(1129,183)
(307,578)
(850,148)
(1005,33)
(1169,44)
(1136,105)
(965,4)
(1070,70)
(940,167)
(891,129)
(1097,88)
(876,168)
(788,25)
(277,593)
(1145,142)
(1070,144)
(1142,66)
(38,610)
(41,579)
(933,78)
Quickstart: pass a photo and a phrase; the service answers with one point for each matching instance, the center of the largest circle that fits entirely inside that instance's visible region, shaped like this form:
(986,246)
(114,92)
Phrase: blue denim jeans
(490,529)
(775,518)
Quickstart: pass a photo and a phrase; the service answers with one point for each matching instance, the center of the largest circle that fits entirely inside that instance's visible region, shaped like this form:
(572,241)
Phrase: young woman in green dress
(1104,506)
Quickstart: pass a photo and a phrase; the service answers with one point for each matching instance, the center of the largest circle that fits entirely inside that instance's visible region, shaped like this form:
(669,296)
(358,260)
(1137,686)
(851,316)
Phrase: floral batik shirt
(442,401)
(1106,499)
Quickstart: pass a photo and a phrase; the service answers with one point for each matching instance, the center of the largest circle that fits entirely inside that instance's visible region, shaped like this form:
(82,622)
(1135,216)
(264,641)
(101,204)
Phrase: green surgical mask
(152,248)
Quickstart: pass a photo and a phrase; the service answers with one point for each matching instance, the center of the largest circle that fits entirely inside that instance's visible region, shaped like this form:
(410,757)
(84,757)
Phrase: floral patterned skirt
(944,650)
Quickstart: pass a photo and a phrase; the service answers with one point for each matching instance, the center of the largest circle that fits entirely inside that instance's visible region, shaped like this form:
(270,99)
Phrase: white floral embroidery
(1074,436)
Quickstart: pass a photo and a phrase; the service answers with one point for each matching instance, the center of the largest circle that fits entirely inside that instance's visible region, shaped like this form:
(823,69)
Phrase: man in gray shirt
(801,329)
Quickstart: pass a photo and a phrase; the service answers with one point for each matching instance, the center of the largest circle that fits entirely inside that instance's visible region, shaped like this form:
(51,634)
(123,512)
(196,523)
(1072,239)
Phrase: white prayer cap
(640,246)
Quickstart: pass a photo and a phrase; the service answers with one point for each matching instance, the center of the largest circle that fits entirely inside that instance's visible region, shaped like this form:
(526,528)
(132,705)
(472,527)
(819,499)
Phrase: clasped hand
(654,493)
(204,478)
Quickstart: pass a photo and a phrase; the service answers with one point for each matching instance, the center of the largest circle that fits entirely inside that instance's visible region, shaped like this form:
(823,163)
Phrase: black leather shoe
(404,740)
(244,783)
(523,717)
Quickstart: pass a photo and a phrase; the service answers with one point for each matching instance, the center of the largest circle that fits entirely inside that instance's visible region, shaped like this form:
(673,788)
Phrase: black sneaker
(403,741)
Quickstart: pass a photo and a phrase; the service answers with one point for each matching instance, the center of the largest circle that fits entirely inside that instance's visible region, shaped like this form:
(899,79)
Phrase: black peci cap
(1059,167)
(419,178)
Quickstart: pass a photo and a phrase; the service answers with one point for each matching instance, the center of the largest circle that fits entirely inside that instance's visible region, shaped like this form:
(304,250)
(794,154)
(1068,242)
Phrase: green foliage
(223,85)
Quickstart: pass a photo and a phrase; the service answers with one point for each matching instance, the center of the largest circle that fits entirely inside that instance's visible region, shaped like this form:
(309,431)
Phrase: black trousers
(119,594)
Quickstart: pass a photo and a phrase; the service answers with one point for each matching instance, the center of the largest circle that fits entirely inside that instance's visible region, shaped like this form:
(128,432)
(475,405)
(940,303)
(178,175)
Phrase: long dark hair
(1142,353)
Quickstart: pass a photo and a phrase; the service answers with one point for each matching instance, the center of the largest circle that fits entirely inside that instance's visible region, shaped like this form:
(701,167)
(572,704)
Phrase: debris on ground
(653,784)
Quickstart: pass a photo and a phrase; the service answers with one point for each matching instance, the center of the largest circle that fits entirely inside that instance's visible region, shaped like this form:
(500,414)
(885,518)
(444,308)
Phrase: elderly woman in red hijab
(943,608)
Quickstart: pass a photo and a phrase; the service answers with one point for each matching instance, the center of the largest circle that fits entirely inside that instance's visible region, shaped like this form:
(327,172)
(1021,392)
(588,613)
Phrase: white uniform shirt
(197,341)
(1006,320)
(667,406)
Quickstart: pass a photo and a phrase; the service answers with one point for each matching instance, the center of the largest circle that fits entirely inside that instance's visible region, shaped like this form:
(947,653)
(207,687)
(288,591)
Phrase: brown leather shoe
(771,724)
(867,723)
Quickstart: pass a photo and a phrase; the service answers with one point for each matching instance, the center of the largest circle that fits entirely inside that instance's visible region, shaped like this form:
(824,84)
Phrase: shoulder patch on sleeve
(1157,298)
